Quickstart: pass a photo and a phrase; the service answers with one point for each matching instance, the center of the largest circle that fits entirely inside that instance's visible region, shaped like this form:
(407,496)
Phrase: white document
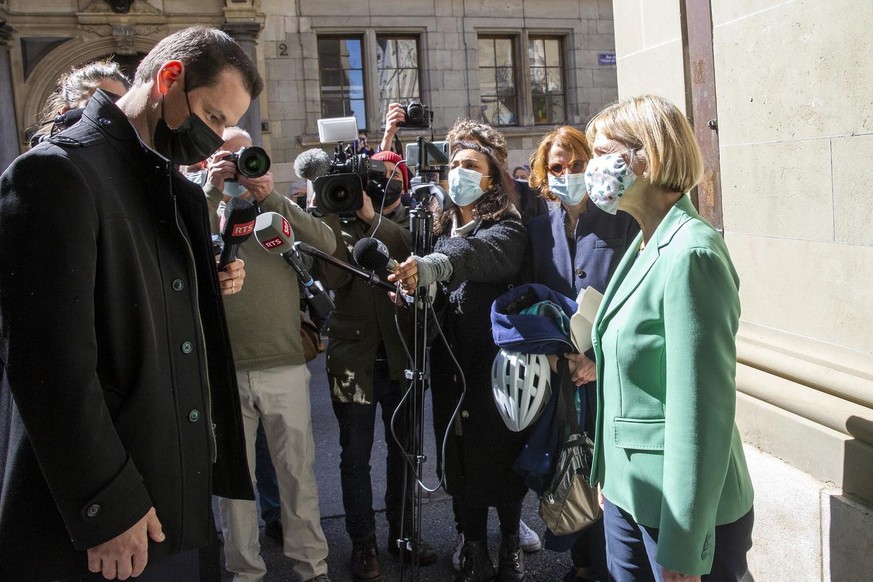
(582,321)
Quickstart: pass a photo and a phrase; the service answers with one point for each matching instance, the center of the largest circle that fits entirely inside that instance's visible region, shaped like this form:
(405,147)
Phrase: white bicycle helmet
(522,387)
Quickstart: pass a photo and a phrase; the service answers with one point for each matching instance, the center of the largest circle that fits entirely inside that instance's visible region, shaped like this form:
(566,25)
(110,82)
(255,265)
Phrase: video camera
(341,191)
(252,161)
(418,115)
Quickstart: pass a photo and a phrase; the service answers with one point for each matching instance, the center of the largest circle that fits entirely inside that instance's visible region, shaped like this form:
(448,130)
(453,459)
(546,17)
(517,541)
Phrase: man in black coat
(115,426)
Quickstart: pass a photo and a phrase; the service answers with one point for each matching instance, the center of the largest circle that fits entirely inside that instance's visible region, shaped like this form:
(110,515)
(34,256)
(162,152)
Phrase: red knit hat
(389,156)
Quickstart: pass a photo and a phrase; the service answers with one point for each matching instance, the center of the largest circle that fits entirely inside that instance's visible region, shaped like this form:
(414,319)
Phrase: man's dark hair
(206,53)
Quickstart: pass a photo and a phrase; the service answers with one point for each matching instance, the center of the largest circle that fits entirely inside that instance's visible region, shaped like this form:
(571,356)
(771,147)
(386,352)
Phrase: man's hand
(230,280)
(582,369)
(366,212)
(260,187)
(220,169)
(126,554)
(393,118)
(671,576)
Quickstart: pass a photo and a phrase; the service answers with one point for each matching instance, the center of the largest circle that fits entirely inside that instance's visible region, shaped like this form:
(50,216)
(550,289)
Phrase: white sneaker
(456,555)
(530,541)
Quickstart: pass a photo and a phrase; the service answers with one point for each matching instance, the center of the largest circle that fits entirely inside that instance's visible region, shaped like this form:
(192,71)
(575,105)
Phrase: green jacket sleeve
(701,315)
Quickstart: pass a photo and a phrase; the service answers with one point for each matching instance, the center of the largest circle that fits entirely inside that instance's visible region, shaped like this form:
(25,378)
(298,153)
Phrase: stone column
(246,34)
(9,140)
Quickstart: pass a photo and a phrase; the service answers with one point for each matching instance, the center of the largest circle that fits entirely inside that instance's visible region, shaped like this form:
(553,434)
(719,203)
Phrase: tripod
(421,229)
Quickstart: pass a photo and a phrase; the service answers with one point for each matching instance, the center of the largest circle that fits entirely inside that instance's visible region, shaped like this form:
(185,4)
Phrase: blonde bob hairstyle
(659,134)
(565,137)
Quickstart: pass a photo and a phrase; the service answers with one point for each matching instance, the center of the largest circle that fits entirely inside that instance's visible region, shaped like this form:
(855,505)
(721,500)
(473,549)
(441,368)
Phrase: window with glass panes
(497,81)
(341,64)
(546,81)
(397,62)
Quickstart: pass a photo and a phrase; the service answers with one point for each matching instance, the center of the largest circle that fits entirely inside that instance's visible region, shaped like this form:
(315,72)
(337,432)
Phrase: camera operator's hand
(366,212)
(260,187)
(395,116)
(220,169)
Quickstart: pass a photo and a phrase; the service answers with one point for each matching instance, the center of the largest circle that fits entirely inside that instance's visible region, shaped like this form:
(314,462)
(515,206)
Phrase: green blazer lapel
(631,272)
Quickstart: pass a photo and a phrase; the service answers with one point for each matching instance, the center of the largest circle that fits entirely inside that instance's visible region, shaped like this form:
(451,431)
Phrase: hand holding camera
(417,115)
(249,162)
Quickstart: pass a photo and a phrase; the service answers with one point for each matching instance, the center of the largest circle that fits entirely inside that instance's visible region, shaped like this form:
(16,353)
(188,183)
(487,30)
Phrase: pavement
(437,520)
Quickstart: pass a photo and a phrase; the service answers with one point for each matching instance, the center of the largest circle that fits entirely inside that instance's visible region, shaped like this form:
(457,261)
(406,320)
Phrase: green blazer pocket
(639,434)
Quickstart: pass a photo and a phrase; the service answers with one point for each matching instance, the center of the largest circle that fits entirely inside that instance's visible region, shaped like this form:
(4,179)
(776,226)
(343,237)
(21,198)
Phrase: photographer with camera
(264,325)
(365,365)
(413,115)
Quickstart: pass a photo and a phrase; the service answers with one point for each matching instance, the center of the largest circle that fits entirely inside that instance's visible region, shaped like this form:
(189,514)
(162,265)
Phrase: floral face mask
(607,178)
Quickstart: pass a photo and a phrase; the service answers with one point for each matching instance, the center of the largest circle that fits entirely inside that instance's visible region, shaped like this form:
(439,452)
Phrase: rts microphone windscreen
(238,222)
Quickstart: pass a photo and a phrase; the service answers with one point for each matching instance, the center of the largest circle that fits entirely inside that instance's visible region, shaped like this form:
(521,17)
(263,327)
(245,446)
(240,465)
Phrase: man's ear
(168,74)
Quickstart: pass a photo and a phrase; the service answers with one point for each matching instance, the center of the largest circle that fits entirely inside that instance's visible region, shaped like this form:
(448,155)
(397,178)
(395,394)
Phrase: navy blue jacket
(601,241)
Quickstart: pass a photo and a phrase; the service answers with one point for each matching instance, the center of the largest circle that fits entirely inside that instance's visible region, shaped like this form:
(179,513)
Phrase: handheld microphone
(372,254)
(371,278)
(312,164)
(275,236)
(237,226)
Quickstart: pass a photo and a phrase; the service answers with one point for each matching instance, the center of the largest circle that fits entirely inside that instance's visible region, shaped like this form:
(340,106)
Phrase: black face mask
(384,195)
(191,142)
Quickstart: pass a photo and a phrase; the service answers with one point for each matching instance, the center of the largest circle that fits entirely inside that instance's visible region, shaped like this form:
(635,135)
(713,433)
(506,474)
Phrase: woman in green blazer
(668,456)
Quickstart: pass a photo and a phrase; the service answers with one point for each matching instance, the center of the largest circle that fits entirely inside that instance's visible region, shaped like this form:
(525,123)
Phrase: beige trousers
(279,397)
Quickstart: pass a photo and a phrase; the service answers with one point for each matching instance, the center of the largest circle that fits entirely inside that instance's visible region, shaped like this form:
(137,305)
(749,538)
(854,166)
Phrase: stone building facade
(523,66)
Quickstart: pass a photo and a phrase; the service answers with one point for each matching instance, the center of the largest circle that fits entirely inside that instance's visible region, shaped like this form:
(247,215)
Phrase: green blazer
(667,449)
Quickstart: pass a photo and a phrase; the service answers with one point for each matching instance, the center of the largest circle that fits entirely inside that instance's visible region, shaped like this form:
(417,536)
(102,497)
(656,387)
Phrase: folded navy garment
(533,319)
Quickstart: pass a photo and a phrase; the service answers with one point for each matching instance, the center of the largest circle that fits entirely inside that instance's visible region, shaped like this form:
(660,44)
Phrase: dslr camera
(251,161)
(341,191)
(418,115)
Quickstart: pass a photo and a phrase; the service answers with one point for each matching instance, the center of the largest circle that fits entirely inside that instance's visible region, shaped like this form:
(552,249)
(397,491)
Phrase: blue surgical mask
(608,177)
(233,188)
(464,186)
(198,178)
(569,188)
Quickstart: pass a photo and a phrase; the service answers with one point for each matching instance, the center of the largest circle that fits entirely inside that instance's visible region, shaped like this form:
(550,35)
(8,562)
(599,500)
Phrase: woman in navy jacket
(575,246)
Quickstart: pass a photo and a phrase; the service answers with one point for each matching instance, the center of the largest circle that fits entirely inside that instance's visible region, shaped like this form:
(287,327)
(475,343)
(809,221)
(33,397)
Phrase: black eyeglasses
(574,166)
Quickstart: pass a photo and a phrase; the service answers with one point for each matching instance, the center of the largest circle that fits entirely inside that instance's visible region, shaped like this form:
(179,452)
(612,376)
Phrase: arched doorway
(71,54)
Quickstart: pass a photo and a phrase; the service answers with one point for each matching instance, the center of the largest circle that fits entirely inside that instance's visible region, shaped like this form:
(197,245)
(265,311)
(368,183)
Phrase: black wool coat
(109,306)
(480,450)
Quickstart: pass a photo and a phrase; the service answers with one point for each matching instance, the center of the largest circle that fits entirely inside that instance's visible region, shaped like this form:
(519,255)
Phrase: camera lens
(338,194)
(252,162)
(415,113)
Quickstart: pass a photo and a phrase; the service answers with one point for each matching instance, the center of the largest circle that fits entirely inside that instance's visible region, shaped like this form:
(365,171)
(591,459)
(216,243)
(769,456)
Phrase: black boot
(511,568)
(425,554)
(476,564)
(365,560)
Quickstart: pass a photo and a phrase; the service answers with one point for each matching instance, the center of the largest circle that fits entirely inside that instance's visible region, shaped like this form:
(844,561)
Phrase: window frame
(382,35)
(561,39)
(341,36)
(514,38)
